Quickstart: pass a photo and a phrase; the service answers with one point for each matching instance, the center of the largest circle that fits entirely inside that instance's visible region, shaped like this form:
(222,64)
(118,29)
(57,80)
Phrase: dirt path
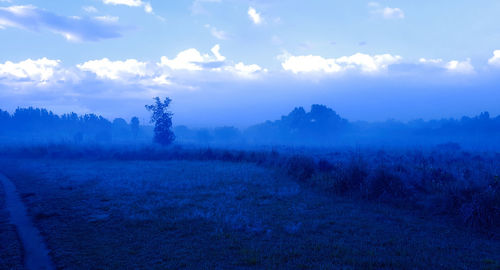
(36,255)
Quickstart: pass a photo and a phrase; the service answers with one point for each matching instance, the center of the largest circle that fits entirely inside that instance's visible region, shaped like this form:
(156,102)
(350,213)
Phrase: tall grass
(446,182)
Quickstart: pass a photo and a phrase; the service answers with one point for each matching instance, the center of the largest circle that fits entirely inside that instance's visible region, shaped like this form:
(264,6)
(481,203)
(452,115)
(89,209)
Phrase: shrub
(325,166)
(483,211)
(385,185)
(351,178)
(300,167)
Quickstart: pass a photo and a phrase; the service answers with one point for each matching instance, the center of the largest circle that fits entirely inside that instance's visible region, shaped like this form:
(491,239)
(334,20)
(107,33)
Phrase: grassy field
(10,247)
(221,215)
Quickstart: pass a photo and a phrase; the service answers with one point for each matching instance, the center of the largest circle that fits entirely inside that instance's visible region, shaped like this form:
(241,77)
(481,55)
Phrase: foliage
(36,125)
(134,126)
(162,118)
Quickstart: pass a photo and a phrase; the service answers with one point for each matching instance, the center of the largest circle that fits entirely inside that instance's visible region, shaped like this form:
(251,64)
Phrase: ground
(11,248)
(212,214)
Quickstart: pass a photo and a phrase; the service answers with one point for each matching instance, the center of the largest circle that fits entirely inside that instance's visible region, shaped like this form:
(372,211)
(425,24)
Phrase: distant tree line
(40,125)
(321,126)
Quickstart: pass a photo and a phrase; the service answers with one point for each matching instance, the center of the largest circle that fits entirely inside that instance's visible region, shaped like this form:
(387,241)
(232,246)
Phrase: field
(214,214)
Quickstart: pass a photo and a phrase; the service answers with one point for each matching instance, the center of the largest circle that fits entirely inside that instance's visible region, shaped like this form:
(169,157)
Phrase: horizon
(146,122)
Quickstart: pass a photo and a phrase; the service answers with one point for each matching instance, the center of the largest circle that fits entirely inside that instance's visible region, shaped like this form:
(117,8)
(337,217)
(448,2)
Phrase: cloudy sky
(240,62)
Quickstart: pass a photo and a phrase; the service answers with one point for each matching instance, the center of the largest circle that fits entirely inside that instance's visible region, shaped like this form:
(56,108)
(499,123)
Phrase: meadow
(202,208)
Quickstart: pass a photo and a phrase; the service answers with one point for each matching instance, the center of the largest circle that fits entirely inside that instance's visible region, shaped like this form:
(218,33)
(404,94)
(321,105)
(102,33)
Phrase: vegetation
(206,214)
(162,118)
(33,125)
(462,185)
(320,127)
(378,207)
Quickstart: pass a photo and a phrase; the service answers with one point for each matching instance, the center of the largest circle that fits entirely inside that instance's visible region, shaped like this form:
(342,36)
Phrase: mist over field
(224,134)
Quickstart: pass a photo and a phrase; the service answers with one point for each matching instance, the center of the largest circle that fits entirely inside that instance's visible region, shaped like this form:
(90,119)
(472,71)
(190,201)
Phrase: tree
(134,126)
(162,118)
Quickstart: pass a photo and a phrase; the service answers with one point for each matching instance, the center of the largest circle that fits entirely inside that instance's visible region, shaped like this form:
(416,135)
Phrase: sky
(241,62)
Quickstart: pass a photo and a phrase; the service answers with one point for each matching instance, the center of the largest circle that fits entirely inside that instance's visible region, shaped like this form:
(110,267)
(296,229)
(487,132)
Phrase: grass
(10,248)
(103,214)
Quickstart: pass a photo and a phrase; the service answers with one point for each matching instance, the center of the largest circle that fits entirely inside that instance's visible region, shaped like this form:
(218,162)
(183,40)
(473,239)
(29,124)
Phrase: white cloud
(40,70)
(368,63)
(148,8)
(393,13)
(167,71)
(219,34)
(310,63)
(115,70)
(90,9)
(438,61)
(107,18)
(189,59)
(247,71)
(72,28)
(192,59)
(386,12)
(464,67)
(453,66)
(318,64)
(131,3)
(495,60)
(254,15)
(216,51)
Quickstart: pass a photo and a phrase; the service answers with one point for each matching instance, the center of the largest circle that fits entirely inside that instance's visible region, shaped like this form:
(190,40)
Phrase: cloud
(90,9)
(386,12)
(193,60)
(190,59)
(114,70)
(247,71)
(41,72)
(393,13)
(495,60)
(464,67)
(453,66)
(254,15)
(131,3)
(318,64)
(72,28)
(107,18)
(219,34)
(169,71)
(438,61)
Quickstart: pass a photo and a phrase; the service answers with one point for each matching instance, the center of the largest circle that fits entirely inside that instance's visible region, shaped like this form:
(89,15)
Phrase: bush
(385,185)
(483,211)
(300,167)
(351,178)
(325,166)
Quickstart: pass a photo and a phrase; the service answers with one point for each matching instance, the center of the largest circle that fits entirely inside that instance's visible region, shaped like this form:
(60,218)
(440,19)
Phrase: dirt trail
(36,255)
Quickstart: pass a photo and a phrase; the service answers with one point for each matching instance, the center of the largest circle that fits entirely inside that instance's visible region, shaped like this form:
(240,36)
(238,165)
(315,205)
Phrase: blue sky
(238,62)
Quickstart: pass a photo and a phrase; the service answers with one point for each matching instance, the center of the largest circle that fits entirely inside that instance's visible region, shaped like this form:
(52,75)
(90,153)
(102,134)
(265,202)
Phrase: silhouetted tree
(162,118)
(134,126)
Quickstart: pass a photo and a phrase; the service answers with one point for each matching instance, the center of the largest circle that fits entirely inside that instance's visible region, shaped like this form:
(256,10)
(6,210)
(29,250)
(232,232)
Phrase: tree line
(41,125)
(320,126)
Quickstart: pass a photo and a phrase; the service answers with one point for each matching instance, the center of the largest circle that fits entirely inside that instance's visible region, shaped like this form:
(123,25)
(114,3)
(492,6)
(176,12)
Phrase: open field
(11,249)
(102,214)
